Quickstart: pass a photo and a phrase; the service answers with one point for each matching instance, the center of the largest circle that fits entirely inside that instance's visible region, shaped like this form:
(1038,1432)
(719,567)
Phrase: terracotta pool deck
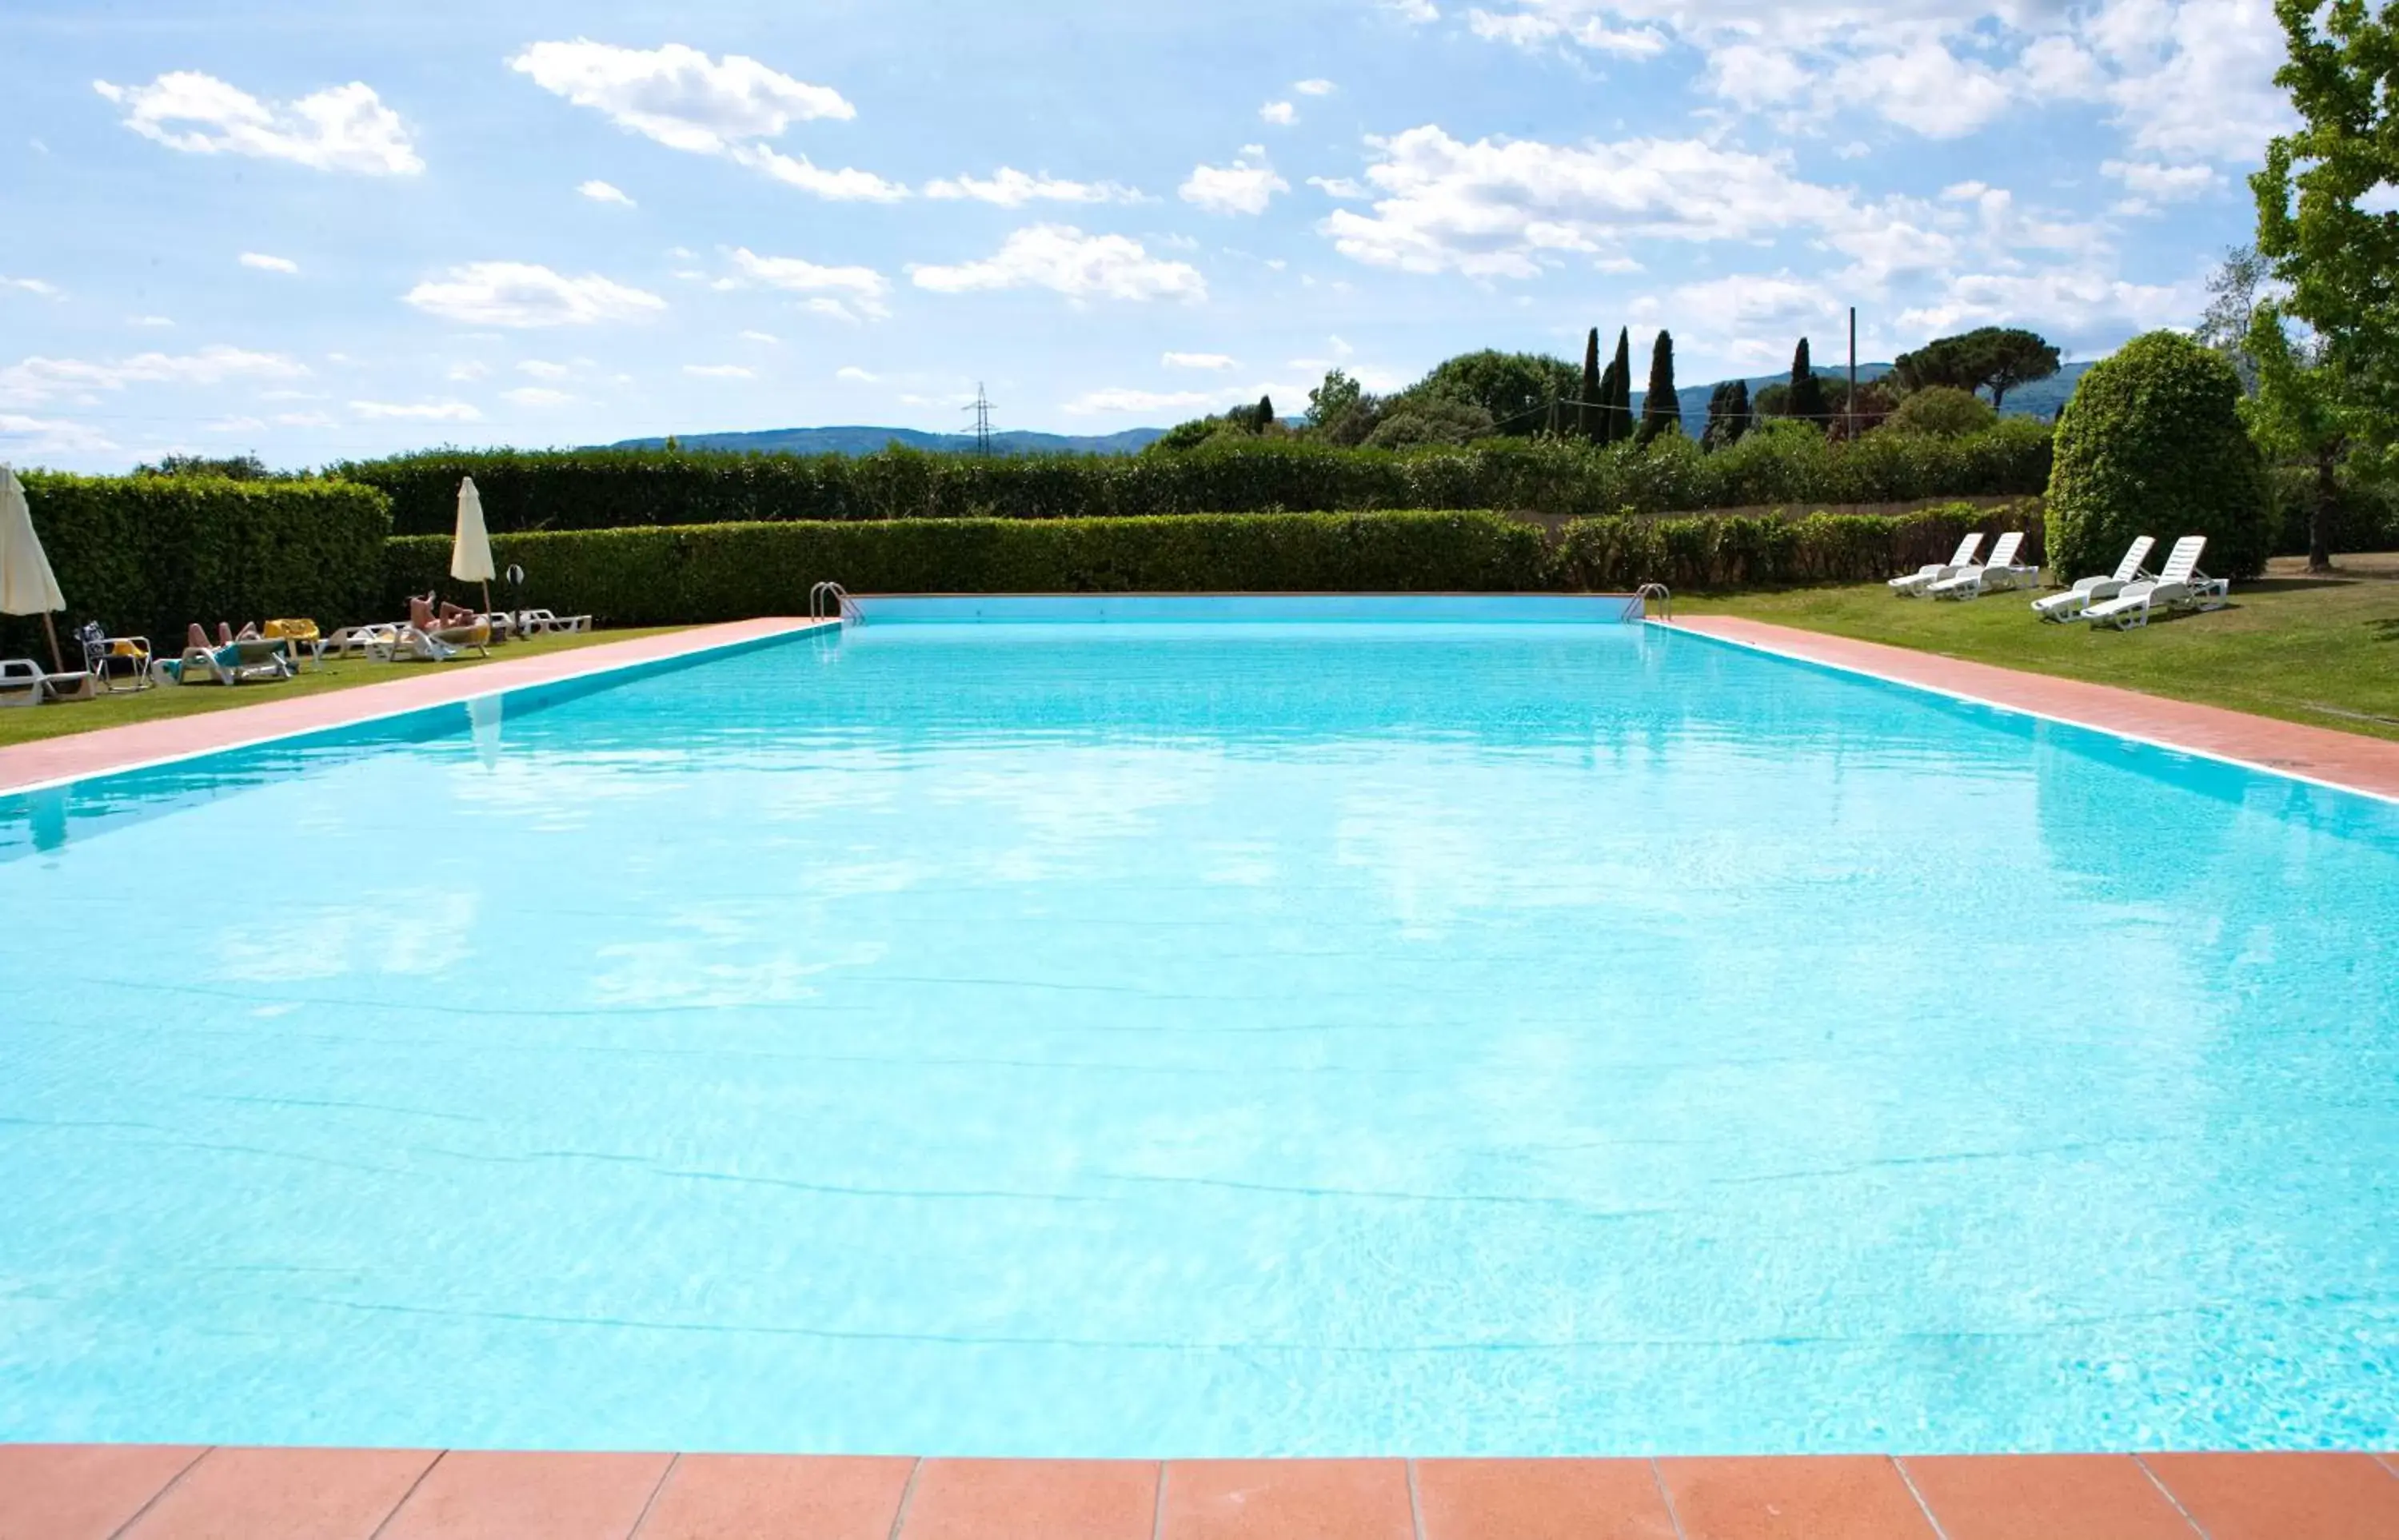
(146,1492)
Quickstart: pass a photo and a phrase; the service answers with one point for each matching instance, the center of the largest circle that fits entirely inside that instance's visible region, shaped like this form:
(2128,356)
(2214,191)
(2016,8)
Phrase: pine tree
(1807,401)
(1587,410)
(1661,411)
(1619,406)
(1265,416)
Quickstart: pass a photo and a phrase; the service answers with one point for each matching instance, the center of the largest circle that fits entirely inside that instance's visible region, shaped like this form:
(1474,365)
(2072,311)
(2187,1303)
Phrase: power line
(981,409)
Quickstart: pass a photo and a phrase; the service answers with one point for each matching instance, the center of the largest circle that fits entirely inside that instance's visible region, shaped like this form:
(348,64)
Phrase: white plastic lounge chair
(538,622)
(2000,572)
(26,683)
(231,663)
(1915,583)
(407,642)
(2087,591)
(2179,586)
(355,641)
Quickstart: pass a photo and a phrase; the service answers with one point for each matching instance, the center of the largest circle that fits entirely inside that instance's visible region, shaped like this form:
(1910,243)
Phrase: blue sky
(324,231)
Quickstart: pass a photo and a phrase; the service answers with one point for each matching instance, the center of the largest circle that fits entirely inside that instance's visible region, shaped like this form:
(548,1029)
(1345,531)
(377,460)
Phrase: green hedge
(151,554)
(730,572)
(619,488)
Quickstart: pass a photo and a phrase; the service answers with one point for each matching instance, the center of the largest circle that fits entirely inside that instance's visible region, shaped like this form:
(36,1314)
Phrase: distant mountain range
(2033,400)
(866,441)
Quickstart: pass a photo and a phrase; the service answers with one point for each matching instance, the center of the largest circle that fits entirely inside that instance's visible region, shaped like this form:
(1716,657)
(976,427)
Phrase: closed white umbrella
(470,548)
(27,585)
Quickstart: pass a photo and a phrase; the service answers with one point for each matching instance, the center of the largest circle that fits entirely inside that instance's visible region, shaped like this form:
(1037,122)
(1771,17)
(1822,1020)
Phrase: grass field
(24,724)
(2323,650)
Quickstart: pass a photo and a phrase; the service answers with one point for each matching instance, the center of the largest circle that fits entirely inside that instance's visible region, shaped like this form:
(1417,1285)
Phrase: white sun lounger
(2180,586)
(1915,583)
(437,647)
(2000,572)
(2088,591)
(26,683)
(538,622)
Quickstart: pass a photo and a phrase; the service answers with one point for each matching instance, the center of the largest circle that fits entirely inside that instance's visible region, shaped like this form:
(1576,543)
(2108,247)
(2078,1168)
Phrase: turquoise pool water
(1203,1040)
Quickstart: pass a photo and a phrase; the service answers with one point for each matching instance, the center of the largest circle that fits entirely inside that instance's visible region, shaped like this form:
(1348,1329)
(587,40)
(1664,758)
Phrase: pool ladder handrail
(1665,597)
(843,610)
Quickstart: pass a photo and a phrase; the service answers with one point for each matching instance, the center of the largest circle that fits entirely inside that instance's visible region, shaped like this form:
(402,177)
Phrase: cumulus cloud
(344,128)
(40,379)
(265,263)
(527,294)
(855,375)
(765,338)
(473,369)
(1314,88)
(1244,187)
(1010,188)
(1534,27)
(23,435)
(416,412)
(686,101)
(1282,114)
(604,192)
(1061,258)
(32,286)
(852,291)
(2149,183)
(1197,361)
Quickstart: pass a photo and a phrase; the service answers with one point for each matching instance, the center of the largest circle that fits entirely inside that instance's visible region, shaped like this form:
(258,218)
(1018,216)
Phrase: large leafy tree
(1661,411)
(2302,409)
(1997,358)
(1728,415)
(1515,388)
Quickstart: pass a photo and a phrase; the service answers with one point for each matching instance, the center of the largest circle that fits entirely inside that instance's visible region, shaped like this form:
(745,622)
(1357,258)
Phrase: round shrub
(2151,443)
(1944,412)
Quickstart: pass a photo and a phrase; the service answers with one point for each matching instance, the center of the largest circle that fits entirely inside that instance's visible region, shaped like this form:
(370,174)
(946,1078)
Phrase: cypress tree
(1602,408)
(1620,414)
(1737,412)
(1265,416)
(1661,411)
(1587,409)
(1808,401)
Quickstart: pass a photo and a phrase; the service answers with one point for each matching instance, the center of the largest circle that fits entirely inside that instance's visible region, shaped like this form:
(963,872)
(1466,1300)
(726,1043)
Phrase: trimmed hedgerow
(2152,443)
(623,489)
(1717,551)
(151,554)
(729,571)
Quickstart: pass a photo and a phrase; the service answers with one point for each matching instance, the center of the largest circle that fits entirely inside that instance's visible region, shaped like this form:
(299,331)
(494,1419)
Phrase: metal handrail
(843,610)
(1665,597)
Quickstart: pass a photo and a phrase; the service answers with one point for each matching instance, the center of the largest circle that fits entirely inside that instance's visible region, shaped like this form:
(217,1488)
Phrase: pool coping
(131,1492)
(49,763)
(2320,756)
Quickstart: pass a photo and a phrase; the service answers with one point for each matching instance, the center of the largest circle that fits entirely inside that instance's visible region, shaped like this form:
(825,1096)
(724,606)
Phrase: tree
(1602,408)
(1589,405)
(1334,399)
(2340,261)
(1515,388)
(2303,410)
(1620,407)
(2152,443)
(1661,411)
(1942,412)
(1997,358)
(2234,291)
(233,468)
(1807,401)
(1264,418)
(1728,415)
(1429,420)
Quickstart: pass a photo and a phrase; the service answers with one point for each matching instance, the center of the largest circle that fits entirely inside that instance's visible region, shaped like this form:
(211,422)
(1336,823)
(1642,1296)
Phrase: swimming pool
(1153,1038)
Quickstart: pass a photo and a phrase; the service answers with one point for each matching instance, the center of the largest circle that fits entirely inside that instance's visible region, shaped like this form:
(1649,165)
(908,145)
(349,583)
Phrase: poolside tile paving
(174,1492)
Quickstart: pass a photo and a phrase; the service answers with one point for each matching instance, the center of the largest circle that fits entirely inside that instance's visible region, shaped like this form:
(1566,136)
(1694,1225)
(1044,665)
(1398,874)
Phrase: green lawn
(2323,650)
(26,723)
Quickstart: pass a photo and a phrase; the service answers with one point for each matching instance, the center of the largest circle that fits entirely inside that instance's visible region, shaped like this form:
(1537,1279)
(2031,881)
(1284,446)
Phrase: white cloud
(1010,188)
(38,378)
(422,412)
(1062,258)
(50,435)
(832,310)
(1346,188)
(543,369)
(855,375)
(604,192)
(2078,305)
(526,294)
(1314,88)
(720,371)
(1117,400)
(1535,28)
(768,338)
(1282,114)
(1197,361)
(537,395)
(265,263)
(1416,11)
(232,425)
(473,369)
(1928,88)
(344,128)
(685,99)
(1244,188)
(33,286)
(150,321)
(2164,183)
(863,287)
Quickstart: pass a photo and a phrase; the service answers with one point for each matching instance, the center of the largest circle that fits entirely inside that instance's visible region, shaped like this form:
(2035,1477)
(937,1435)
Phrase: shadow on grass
(2300,585)
(2384,631)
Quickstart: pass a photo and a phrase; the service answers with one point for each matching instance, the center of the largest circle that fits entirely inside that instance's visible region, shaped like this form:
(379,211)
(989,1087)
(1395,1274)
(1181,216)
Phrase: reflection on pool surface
(1203,1040)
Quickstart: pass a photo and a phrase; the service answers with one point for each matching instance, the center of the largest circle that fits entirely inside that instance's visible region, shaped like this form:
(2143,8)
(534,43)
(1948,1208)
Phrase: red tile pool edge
(415,686)
(2348,760)
(82,1491)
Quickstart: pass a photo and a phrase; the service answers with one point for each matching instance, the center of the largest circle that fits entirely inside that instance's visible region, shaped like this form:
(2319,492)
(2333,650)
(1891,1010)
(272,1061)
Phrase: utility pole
(1850,431)
(981,409)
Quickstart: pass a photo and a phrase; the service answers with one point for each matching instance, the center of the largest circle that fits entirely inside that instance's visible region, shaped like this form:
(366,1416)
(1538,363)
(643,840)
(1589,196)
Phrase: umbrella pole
(57,660)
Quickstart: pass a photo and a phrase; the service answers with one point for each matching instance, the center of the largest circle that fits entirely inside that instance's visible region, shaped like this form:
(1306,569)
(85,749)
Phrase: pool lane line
(773,628)
(2126,734)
